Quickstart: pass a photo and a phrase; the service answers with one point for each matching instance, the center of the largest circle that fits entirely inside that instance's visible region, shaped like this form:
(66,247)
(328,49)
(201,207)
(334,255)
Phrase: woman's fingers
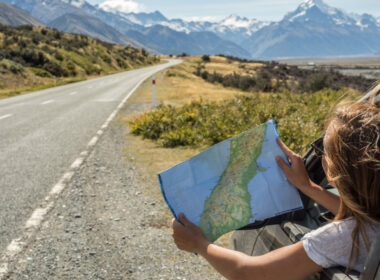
(285,168)
(288,152)
(173,220)
(177,226)
(187,236)
(183,219)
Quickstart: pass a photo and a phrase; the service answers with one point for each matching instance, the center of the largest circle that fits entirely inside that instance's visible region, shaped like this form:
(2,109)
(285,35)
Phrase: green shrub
(106,58)
(206,58)
(58,56)
(71,69)
(16,68)
(176,74)
(316,81)
(277,77)
(121,63)
(300,119)
(25,27)
(40,72)
(54,68)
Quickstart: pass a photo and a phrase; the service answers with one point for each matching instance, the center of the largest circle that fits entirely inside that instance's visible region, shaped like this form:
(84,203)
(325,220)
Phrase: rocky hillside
(30,55)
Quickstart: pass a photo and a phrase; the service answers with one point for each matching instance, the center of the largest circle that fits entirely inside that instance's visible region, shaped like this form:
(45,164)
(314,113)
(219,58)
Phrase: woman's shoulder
(345,225)
(337,232)
(331,244)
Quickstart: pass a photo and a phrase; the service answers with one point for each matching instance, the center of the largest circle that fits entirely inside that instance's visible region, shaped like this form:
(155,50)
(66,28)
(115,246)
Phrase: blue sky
(260,9)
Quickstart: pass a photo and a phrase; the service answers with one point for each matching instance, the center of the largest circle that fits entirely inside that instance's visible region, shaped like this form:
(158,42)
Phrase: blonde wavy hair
(352,154)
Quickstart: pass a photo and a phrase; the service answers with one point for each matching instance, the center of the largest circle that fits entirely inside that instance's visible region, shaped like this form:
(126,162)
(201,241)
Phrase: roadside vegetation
(300,118)
(298,100)
(275,77)
(33,58)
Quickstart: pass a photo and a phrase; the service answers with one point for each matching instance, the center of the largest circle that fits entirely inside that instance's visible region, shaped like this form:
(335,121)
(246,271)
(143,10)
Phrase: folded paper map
(234,183)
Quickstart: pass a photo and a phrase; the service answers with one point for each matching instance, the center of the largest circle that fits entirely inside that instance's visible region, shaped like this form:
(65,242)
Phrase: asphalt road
(43,132)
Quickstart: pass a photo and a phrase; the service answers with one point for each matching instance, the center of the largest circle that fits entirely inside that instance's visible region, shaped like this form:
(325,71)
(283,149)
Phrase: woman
(351,160)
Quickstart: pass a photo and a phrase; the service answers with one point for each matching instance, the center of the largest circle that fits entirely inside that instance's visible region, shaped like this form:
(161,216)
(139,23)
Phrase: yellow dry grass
(181,86)
(12,85)
(225,66)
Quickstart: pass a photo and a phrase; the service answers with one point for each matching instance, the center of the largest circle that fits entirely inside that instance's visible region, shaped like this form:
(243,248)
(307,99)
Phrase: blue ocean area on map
(188,185)
(194,180)
(271,182)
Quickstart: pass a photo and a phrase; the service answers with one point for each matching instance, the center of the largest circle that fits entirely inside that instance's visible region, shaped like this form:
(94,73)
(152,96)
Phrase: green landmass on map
(228,206)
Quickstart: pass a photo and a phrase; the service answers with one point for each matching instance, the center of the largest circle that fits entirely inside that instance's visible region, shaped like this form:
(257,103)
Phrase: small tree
(206,58)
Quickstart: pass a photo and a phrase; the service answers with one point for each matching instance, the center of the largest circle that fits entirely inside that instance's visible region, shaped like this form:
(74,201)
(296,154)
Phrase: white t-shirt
(331,244)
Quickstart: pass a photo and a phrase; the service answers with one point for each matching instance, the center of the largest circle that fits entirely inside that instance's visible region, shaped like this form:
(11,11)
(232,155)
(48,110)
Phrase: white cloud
(125,6)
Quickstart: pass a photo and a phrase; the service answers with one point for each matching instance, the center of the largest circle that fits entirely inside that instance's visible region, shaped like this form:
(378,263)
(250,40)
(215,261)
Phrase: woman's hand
(296,172)
(188,236)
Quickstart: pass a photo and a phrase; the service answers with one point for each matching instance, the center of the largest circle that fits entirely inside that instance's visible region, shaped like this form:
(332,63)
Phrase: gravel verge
(105,225)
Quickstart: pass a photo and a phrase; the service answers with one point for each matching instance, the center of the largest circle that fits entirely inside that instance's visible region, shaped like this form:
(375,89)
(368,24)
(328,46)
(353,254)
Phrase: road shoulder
(104,226)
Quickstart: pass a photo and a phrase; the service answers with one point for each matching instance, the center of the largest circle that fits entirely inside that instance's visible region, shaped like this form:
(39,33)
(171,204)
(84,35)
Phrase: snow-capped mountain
(313,29)
(317,10)
(233,27)
(237,28)
(144,19)
(172,30)
(75,3)
(169,41)
(235,22)
(138,29)
(308,9)
(316,29)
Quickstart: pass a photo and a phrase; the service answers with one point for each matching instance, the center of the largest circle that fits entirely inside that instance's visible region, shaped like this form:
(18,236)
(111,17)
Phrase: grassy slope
(31,57)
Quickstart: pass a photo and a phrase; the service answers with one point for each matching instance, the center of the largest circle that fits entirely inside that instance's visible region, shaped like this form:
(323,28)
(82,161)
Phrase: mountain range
(15,17)
(313,29)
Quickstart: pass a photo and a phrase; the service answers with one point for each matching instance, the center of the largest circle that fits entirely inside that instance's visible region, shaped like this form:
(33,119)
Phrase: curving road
(42,133)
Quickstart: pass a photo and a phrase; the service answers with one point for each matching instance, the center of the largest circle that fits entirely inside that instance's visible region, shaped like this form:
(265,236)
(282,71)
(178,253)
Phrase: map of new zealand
(232,184)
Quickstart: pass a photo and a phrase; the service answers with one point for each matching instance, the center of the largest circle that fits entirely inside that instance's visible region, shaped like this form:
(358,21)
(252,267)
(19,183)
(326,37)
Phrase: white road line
(77,163)
(38,216)
(73,93)
(5,116)
(47,102)
(17,245)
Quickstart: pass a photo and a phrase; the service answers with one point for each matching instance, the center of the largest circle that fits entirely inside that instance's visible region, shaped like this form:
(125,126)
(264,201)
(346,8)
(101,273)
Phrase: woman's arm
(289,262)
(297,175)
